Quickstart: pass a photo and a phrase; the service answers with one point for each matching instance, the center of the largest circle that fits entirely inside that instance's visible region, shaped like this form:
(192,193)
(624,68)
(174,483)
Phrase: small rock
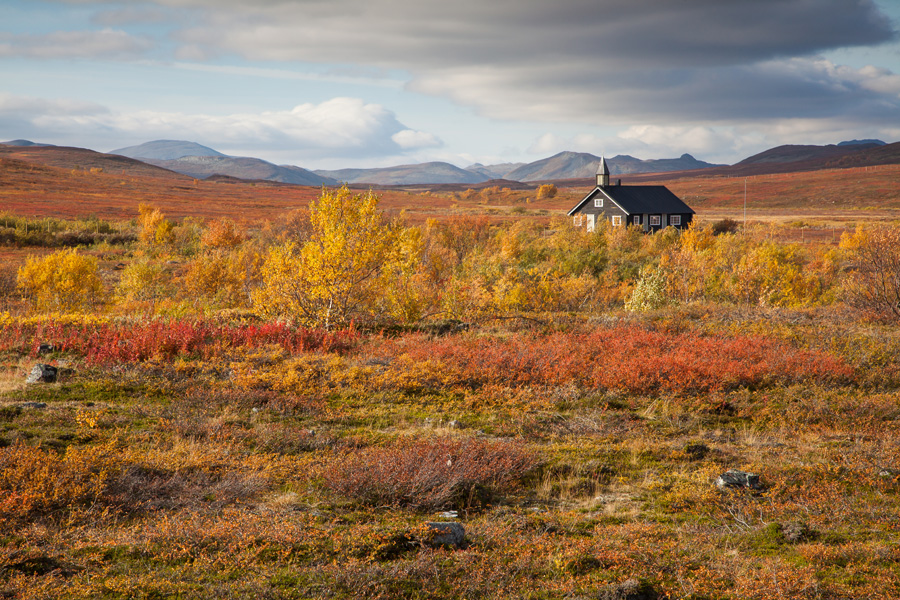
(454,424)
(438,534)
(46,348)
(797,532)
(696,451)
(738,479)
(33,405)
(42,374)
(449,514)
(630,589)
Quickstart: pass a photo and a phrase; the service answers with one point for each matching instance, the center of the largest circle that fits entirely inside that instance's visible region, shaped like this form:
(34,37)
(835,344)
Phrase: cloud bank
(615,61)
(696,75)
(340,127)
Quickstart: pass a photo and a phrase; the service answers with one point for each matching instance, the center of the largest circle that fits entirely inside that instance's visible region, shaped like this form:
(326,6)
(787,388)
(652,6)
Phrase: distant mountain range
(198,161)
(166,150)
(493,171)
(430,172)
(195,160)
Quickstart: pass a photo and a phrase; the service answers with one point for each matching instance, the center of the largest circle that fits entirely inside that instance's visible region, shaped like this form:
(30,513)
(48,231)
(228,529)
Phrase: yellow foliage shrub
(62,281)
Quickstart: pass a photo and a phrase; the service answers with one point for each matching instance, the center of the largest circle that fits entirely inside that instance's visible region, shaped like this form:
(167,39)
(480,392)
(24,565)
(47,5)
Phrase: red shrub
(110,343)
(630,359)
(430,474)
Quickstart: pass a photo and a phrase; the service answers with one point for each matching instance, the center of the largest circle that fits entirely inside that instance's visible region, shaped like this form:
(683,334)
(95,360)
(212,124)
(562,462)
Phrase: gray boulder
(738,480)
(42,374)
(35,405)
(630,589)
(444,534)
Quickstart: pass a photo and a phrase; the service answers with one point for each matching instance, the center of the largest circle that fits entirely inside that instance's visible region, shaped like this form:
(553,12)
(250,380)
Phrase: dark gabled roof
(640,199)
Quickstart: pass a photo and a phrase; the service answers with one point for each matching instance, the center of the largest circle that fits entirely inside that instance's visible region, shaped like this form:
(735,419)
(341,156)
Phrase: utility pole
(745,204)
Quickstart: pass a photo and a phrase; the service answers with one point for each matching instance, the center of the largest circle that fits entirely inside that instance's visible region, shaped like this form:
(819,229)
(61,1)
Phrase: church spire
(602,173)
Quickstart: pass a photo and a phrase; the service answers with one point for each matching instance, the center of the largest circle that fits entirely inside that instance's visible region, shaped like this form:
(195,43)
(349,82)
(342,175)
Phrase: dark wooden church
(650,207)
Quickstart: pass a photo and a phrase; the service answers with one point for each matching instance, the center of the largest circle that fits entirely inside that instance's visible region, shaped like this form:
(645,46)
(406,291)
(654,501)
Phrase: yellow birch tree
(337,276)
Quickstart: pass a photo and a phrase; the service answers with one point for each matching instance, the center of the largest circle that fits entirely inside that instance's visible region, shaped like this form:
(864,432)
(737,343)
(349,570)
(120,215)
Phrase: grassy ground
(259,472)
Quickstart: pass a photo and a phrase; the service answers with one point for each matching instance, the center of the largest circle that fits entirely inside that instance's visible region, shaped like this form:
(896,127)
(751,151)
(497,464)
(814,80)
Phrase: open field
(219,429)
(268,468)
(834,197)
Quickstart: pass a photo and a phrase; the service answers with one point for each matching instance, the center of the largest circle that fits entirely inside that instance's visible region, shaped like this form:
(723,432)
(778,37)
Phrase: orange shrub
(35,482)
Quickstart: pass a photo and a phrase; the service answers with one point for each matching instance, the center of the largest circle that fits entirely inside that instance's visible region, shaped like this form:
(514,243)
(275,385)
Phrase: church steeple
(602,173)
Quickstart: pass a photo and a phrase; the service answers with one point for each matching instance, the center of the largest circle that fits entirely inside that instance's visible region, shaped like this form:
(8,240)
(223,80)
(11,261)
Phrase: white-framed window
(598,202)
(636,220)
(576,220)
(617,220)
(675,220)
(654,220)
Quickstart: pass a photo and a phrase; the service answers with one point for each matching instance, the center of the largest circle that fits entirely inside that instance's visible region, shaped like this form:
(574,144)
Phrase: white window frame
(655,220)
(598,202)
(590,222)
(577,220)
(636,220)
(675,220)
(617,220)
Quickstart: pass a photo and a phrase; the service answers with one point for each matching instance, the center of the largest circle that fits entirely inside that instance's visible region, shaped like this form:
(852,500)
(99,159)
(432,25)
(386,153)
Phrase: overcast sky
(364,83)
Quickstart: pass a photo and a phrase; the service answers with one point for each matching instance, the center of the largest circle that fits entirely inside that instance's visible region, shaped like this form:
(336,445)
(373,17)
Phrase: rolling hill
(422,173)
(82,159)
(23,143)
(166,150)
(202,167)
(796,153)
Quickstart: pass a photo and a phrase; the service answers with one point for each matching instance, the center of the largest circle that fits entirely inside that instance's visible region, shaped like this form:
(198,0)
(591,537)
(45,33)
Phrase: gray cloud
(660,63)
(106,43)
(611,61)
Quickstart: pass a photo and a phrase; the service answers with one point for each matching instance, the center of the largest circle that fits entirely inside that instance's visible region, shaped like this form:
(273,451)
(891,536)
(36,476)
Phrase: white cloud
(409,139)
(340,127)
(106,44)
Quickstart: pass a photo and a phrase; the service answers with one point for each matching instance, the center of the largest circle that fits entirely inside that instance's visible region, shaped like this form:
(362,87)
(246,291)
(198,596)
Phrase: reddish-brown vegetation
(431,474)
(629,359)
(129,342)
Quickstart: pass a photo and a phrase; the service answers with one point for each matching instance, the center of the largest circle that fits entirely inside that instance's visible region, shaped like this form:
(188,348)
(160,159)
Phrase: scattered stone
(797,532)
(738,479)
(33,405)
(46,348)
(696,450)
(378,361)
(630,589)
(42,374)
(449,514)
(454,424)
(440,534)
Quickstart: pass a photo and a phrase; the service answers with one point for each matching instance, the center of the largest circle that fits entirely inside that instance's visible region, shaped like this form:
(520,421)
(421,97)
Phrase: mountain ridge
(566,166)
(166,150)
